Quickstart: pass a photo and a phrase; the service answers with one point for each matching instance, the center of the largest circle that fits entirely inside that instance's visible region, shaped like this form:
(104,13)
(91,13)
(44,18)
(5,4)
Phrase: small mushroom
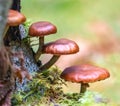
(84,74)
(15,18)
(58,48)
(41,29)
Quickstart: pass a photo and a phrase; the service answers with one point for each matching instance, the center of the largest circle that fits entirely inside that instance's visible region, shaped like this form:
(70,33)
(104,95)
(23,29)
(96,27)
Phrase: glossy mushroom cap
(42,28)
(61,47)
(84,74)
(15,18)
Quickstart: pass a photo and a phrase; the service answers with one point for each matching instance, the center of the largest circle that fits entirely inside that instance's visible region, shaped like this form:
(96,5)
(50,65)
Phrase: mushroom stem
(39,51)
(83,87)
(49,63)
(5,31)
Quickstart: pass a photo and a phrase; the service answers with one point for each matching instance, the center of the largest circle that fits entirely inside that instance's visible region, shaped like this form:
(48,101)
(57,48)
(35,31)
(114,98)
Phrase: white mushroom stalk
(39,51)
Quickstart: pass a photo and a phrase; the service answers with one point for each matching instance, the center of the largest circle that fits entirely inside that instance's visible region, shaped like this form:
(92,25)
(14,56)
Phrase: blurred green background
(94,25)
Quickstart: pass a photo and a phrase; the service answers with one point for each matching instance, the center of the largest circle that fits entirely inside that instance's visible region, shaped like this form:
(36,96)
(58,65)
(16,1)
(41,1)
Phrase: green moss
(45,89)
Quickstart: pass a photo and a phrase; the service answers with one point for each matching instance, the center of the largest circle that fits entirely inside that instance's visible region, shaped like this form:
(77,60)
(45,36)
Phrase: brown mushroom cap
(84,74)
(61,47)
(15,18)
(42,28)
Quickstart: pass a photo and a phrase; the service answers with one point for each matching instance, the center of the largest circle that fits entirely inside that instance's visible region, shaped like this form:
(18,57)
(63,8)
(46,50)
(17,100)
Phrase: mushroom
(41,29)
(14,18)
(84,74)
(57,48)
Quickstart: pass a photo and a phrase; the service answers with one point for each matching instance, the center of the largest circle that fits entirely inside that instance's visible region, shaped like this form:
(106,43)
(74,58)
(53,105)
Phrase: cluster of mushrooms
(56,48)
(83,74)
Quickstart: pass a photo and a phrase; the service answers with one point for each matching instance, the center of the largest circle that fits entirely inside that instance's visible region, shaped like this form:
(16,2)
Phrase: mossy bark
(13,39)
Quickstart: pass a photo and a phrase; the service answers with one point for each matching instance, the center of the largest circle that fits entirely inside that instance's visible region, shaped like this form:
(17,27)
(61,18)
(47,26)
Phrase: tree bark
(16,5)
(12,37)
(13,33)
(6,76)
(4,7)
(14,41)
